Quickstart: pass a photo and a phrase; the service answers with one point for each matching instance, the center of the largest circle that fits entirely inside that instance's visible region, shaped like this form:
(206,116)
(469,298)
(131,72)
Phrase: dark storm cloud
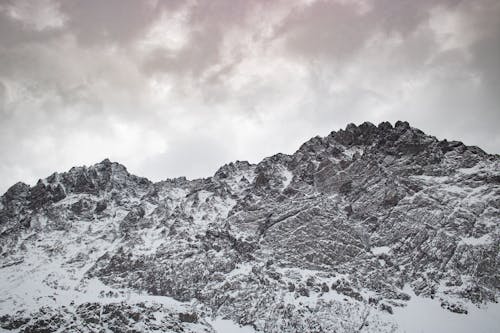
(175,88)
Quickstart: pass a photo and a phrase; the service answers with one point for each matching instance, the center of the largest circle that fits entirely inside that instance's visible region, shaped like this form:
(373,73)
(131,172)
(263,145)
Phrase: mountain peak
(348,228)
(17,190)
(402,124)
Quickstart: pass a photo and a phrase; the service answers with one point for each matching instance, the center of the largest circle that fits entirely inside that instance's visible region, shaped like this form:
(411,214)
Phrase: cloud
(173,88)
(37,15)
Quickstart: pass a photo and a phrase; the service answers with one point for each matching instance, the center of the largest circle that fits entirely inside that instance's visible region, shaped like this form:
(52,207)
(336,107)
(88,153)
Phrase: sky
(179,88)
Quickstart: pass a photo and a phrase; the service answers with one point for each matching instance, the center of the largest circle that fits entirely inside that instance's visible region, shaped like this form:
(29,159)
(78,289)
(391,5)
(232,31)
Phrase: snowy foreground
(370,229)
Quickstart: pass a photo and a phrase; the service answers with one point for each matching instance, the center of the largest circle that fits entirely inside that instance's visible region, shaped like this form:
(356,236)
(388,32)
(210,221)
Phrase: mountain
(351,233)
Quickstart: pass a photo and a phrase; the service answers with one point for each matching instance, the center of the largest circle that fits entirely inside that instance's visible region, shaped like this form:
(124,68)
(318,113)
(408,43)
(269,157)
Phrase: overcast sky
(171,88)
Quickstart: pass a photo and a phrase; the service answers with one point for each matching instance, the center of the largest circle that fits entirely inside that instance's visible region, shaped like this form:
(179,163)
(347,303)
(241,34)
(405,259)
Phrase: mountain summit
(347,234)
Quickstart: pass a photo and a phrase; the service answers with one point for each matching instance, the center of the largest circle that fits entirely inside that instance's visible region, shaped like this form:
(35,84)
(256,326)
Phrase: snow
(53,273)
(483,240)
(149,208)
(469,171)
(41,280)
(425,315)
(235,181)
(223,206)
(31,287)
(94,288)
(228,326)
(430,179)
(380,250)
(51,269)
(70,199)
(175,193)
(288,175)
(241,269)
(315,297)
(350,152)
(152,239)
(203,195)
(301,275)
(455,189)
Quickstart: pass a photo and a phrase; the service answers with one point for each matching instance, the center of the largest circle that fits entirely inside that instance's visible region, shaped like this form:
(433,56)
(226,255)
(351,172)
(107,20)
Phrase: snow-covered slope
(353,232)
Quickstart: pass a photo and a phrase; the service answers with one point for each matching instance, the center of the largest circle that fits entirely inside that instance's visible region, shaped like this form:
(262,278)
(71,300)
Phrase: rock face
(329,239)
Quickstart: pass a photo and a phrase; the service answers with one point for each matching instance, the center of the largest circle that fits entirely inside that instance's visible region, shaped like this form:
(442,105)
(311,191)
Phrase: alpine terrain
(363,230)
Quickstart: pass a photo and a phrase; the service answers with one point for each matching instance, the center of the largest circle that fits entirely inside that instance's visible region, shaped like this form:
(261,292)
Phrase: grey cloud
(192,157)
(192,60)
(209,22)
(113,21)
(14,32)
(325,29)
(252,78)
(340,37)
(3,96)
(485,20)
(335,31)
(405,16)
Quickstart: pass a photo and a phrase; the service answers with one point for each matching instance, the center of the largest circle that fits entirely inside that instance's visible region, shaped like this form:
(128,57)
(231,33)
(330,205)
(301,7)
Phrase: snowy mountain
(363,230)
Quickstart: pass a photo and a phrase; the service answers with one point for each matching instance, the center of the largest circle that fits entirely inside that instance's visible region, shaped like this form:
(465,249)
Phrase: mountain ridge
(337,236)
(351,129)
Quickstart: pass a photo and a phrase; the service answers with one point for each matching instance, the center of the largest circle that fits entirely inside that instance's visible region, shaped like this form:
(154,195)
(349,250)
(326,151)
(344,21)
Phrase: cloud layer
(173,88)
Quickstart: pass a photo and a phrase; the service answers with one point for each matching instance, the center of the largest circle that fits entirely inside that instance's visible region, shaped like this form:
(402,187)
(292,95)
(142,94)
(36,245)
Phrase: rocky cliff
(334,238)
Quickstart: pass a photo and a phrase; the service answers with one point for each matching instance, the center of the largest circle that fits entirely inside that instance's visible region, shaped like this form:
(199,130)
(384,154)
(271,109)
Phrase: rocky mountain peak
(17,191)
(232,168)
(368,134)
(103,176)
(342,235)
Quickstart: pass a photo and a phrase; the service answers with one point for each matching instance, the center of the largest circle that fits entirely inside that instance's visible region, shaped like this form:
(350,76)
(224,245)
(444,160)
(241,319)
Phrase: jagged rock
(322,240)
(116,317)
